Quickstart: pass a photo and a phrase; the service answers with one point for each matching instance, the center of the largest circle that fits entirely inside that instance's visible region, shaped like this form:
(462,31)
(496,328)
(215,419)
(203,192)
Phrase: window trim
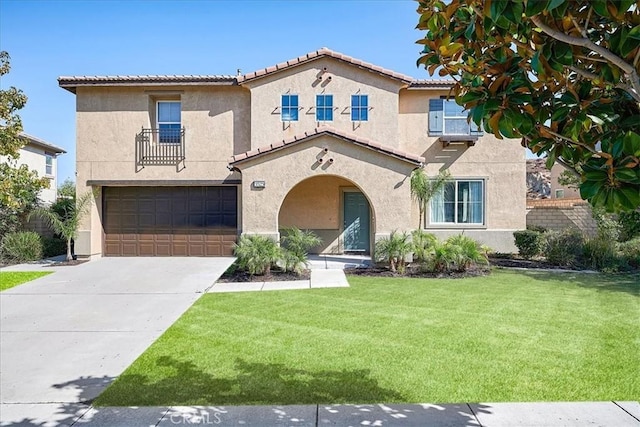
(359,107)
(458,225)
(445,117)
(159,122)
(326,109)
(48,164)
(289,107)
(437,122)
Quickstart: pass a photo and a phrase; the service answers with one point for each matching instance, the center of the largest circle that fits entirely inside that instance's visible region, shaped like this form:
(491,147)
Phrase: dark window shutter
(436,116)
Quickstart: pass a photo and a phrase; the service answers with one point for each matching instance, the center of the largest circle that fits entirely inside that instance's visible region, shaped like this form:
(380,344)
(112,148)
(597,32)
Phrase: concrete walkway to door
(66,336)
(326,272)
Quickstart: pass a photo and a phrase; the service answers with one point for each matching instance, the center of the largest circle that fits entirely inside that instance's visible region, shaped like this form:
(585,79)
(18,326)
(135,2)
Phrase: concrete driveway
(66,336)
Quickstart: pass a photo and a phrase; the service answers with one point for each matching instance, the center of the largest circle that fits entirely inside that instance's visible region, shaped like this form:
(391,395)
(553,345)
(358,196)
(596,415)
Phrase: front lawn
(9,279)
(510,336)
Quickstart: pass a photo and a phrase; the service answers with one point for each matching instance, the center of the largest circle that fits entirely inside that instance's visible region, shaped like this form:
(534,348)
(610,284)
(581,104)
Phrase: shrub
(538,228)
(563,248)
(467,252)
(257,254)
(394,249)
(528,242)
(630,251)
(21,246)
(423,244)
(296,244)
(600,253)
(457,253)
(53,246)
(630,225)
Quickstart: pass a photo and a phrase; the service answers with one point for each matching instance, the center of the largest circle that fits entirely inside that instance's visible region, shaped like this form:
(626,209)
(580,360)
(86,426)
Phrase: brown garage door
(169,221)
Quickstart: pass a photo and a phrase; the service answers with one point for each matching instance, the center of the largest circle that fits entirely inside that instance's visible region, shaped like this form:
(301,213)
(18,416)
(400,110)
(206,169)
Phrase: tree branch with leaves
(562,75)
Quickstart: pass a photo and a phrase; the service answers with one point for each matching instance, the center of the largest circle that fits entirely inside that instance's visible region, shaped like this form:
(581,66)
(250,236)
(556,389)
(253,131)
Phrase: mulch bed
(275,276)
(515,262)
(415,273)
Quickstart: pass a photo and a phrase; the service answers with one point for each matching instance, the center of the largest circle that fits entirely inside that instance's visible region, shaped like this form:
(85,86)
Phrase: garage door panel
(169,221)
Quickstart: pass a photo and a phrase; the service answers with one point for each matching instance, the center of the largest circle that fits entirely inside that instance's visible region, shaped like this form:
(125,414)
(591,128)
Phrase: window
(324,108)
(448,118)
(459,202)
(560,194)
(289,108)
(359,108)
(169,122)
(49,164)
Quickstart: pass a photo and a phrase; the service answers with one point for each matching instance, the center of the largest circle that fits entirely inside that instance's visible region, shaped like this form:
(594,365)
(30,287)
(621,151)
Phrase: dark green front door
(356,222)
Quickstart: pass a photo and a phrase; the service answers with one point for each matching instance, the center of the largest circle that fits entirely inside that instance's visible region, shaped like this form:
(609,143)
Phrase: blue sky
(47,39)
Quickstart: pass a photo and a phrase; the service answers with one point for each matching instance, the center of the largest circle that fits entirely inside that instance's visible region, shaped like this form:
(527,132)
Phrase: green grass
(511,336)
(9,279)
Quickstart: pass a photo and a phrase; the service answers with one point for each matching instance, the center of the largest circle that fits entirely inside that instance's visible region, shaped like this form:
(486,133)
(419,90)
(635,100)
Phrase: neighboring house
(182,165)
(559,191)
(42,157)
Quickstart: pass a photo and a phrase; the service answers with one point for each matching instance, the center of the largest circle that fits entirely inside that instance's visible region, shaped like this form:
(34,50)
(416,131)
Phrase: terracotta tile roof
(431,83)
(71,82)
(322,52)
(328,130)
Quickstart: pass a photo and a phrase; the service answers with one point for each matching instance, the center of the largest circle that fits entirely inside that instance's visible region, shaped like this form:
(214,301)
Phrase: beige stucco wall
(216,120)
(267,126)
(569,192)
(316,204)
(382,179)
(501,163)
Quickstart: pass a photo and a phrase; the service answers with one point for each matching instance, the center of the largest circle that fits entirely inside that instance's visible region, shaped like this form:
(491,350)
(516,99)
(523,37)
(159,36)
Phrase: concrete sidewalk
(567,414)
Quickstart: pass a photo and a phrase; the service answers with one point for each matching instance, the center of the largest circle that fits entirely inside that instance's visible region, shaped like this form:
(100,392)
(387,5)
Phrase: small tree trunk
(421,213)
(69,257)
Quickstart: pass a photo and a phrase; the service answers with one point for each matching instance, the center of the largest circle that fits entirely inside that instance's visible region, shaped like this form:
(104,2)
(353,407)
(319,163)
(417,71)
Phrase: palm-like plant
(394,249)
(257,254)
(296,244)
(67,222)
(467,252)
(423,244)
(424,188)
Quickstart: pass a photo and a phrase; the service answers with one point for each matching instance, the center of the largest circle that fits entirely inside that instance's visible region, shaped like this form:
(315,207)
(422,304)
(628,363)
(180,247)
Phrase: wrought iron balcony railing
(160,147)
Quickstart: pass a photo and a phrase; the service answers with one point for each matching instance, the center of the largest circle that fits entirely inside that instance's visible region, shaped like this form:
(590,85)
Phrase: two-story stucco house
(42,157)
(183,165)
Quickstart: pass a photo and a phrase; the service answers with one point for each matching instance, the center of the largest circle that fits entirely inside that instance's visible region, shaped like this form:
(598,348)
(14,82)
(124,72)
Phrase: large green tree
(19,186)
(562,75)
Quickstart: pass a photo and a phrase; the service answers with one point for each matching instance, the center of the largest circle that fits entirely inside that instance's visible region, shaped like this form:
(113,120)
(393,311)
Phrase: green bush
(458,253)
(600,253)
(53,246)
(467,252)
(528,242)
(630,251)
(393,250)
(538,228)
(257,254)
(630,225)
(563,248)
(295,247)
(423,244)
(21,246)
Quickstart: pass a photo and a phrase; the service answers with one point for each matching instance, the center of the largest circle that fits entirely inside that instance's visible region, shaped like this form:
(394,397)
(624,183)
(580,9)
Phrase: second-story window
(48,164)
(289,108)
(446,117)
(359,108)
(169,122)
(324,108)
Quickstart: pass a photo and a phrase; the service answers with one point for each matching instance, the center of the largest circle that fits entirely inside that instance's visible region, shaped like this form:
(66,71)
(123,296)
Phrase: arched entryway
(334,208)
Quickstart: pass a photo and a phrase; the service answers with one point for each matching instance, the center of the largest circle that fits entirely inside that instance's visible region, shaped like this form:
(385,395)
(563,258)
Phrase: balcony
(160,147)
